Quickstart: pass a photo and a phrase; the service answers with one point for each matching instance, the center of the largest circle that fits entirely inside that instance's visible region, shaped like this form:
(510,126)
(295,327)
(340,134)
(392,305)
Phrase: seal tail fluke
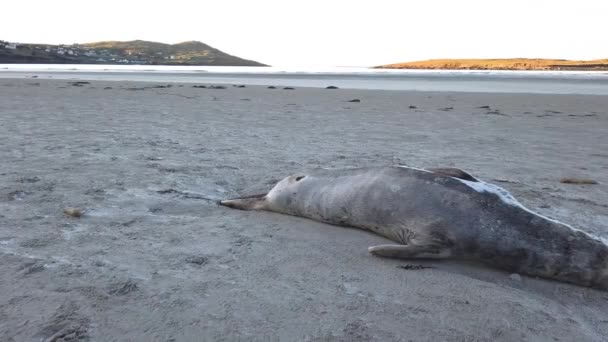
(253,202)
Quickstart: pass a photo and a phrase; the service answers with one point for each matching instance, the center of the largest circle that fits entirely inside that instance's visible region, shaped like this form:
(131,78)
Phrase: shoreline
(444,82)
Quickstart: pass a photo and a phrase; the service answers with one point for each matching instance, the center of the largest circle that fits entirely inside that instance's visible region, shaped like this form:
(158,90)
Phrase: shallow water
(531,82)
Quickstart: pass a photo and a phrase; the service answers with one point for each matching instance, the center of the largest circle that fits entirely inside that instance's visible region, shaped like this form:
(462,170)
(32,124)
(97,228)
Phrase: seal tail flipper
(410,251)
(454,172)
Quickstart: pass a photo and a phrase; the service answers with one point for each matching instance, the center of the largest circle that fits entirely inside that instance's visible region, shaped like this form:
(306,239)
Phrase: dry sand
(151,260)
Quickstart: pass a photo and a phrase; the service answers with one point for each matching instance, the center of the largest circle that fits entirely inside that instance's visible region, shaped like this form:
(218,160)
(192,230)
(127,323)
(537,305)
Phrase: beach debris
(189,195)
(123,288)
(501,180)
(272,87)
(197,260)
(216,87)
(354,100)
(163,86)
(574,180)
(412,107)
(180,95)
(332,87)
(411,267)
(78,83)
(199,86)
(239,85)
(107,88)
(494,112)
(73,212)
(34,76)
(582,114)
(484,107)
(17,195)
(446,109)
(33,179)
(549,113)
(515,277)
(289,88)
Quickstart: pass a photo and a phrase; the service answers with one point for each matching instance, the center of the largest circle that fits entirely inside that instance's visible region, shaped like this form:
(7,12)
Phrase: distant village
(92,54)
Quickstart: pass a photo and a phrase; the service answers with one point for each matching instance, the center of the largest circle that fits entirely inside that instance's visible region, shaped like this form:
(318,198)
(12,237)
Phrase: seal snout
(251,202)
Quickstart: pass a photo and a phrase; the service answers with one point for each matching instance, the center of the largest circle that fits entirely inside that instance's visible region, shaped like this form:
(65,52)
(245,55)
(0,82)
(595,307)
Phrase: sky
(326,32)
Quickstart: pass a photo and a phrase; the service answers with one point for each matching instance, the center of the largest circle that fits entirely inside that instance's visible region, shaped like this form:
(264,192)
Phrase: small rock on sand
(73,212)
(197,260)
(574,180)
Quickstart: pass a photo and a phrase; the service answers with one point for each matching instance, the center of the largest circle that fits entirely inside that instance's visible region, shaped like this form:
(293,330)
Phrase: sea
(482,81)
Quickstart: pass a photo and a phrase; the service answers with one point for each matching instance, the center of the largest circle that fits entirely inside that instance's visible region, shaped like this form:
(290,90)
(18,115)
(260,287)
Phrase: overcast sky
(326,32)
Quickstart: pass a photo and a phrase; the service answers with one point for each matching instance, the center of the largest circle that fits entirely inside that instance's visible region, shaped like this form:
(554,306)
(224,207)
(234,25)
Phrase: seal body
(440,213)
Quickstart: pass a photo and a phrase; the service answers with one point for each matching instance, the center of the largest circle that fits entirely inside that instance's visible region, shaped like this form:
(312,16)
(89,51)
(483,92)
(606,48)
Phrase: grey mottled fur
(435,214)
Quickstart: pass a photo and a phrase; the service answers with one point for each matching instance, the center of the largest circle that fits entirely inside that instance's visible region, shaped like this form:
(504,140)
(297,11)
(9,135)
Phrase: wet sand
(155,259)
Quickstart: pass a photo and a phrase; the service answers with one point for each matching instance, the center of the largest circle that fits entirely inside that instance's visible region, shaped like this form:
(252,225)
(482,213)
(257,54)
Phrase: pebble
(73,212)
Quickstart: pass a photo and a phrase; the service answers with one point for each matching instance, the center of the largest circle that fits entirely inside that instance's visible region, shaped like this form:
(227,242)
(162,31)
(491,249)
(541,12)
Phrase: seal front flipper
(431,251)
(454,172)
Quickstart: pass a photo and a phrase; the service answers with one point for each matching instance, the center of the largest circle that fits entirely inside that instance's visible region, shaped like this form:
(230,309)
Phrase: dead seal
(440,213)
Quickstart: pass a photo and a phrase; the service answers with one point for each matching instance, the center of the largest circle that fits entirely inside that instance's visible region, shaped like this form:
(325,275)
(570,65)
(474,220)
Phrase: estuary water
(532,82)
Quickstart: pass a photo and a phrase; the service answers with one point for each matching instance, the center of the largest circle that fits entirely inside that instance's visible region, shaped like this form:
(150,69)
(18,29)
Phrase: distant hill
(502,64)
(135,52)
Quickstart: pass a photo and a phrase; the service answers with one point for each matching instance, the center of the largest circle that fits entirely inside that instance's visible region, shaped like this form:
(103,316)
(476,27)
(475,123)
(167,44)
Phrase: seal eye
(299,178)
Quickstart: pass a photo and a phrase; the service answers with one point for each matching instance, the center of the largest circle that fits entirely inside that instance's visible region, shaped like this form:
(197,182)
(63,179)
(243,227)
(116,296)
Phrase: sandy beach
(153,258)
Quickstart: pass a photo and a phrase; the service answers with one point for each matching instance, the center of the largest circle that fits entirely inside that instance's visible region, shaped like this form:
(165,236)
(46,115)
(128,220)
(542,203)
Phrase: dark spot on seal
(299,178)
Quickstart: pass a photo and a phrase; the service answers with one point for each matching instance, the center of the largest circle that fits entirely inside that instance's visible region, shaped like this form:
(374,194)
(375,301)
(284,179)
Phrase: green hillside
(137,52)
